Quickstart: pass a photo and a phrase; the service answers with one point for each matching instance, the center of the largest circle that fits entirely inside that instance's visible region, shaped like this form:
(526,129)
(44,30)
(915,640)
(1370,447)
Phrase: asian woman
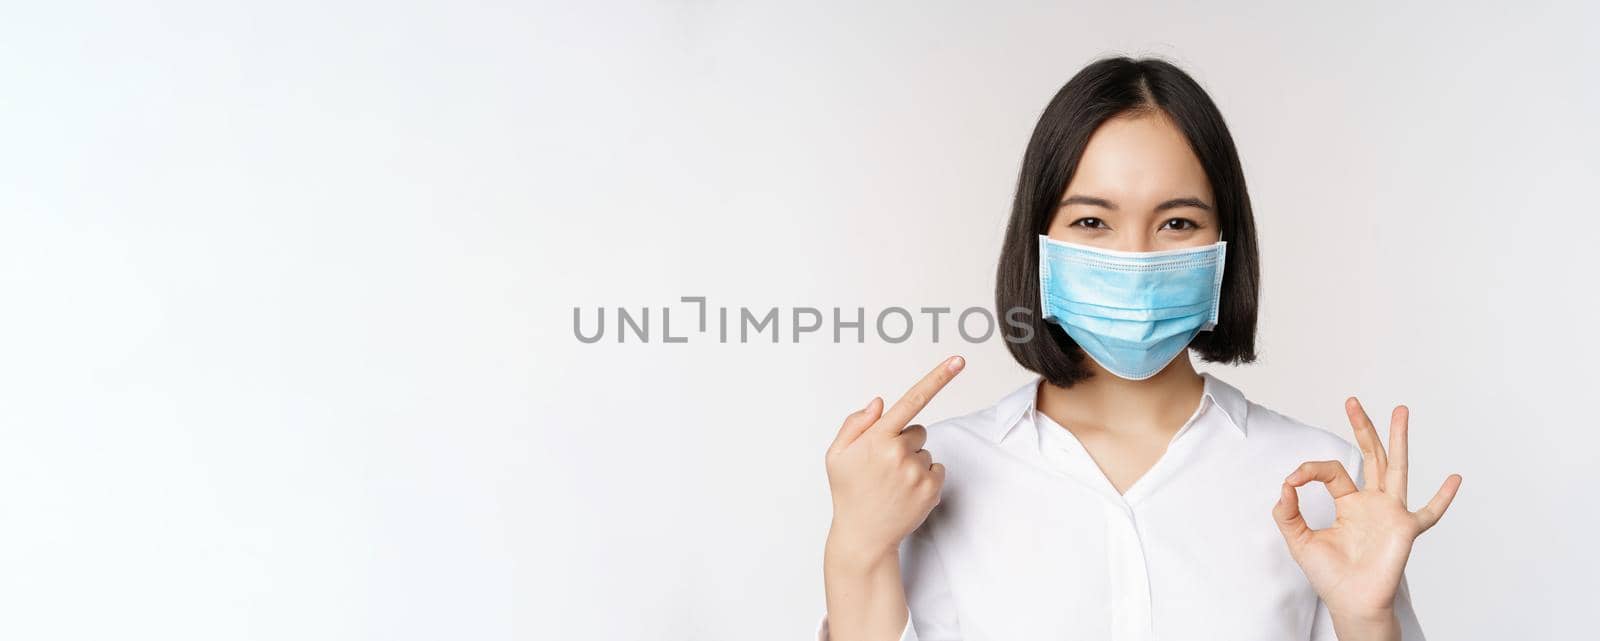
(1121,494)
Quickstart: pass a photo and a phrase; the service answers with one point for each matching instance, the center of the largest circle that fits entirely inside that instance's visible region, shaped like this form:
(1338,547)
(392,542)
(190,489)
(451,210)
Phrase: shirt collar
(1013,408)
(1017,405)
(1230,400)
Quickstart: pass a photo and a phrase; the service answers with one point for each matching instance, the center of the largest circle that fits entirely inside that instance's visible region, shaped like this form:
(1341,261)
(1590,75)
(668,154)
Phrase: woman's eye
(1089,223)
(1180,224)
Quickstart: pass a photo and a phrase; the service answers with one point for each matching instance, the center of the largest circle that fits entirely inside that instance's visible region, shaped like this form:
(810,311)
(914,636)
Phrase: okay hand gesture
(1355,565)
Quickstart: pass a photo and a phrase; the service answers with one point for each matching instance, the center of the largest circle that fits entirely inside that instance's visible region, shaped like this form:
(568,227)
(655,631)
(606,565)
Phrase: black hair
(1103,90)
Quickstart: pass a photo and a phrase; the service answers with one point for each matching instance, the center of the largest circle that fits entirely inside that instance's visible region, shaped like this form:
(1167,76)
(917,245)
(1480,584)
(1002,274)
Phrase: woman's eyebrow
(1088,200)
(1183,202)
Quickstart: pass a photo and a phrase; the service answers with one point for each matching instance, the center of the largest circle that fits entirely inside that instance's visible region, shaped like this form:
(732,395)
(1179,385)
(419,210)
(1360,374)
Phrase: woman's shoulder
(1281,432)
(991,422)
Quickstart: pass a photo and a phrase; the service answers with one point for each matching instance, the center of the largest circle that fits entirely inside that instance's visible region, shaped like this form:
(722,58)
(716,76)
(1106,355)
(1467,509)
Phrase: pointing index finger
(897,416)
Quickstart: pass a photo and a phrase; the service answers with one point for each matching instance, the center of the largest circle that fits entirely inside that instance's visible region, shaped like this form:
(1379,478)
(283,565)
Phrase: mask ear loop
(1220,241)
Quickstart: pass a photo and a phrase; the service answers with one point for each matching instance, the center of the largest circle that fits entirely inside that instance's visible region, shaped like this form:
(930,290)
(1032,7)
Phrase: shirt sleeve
(907,634)
(932,615)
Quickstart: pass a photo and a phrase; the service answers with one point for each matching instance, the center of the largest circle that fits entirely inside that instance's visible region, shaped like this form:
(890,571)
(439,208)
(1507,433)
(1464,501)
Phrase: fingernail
(955,363)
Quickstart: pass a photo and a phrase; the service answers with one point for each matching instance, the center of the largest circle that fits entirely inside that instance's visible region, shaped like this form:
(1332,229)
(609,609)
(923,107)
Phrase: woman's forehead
(1140,158)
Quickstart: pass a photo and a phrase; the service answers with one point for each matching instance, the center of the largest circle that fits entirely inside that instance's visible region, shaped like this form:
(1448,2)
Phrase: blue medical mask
(1132,312)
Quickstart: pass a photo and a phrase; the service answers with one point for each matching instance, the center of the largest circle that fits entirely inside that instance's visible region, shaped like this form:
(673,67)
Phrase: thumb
(1286,513)
(857,423)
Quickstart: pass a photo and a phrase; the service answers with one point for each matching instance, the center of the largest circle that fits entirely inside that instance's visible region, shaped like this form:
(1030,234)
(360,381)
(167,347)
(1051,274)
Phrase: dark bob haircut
(1103,90)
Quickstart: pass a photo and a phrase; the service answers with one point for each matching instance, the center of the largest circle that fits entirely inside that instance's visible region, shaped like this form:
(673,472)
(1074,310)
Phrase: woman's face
(1138,188)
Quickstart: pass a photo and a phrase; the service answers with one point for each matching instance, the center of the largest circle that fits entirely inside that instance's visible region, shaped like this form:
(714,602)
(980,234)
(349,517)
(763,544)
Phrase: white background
(286,344)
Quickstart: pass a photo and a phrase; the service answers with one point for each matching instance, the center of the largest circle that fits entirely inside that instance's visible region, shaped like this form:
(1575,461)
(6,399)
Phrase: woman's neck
(1103,402)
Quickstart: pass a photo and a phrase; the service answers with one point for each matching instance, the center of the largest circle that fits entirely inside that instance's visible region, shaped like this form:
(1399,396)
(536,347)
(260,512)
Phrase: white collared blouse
(1030,541)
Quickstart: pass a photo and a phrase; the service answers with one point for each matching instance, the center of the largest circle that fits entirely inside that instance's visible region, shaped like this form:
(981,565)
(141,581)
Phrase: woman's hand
(883,482)
(1355,565)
